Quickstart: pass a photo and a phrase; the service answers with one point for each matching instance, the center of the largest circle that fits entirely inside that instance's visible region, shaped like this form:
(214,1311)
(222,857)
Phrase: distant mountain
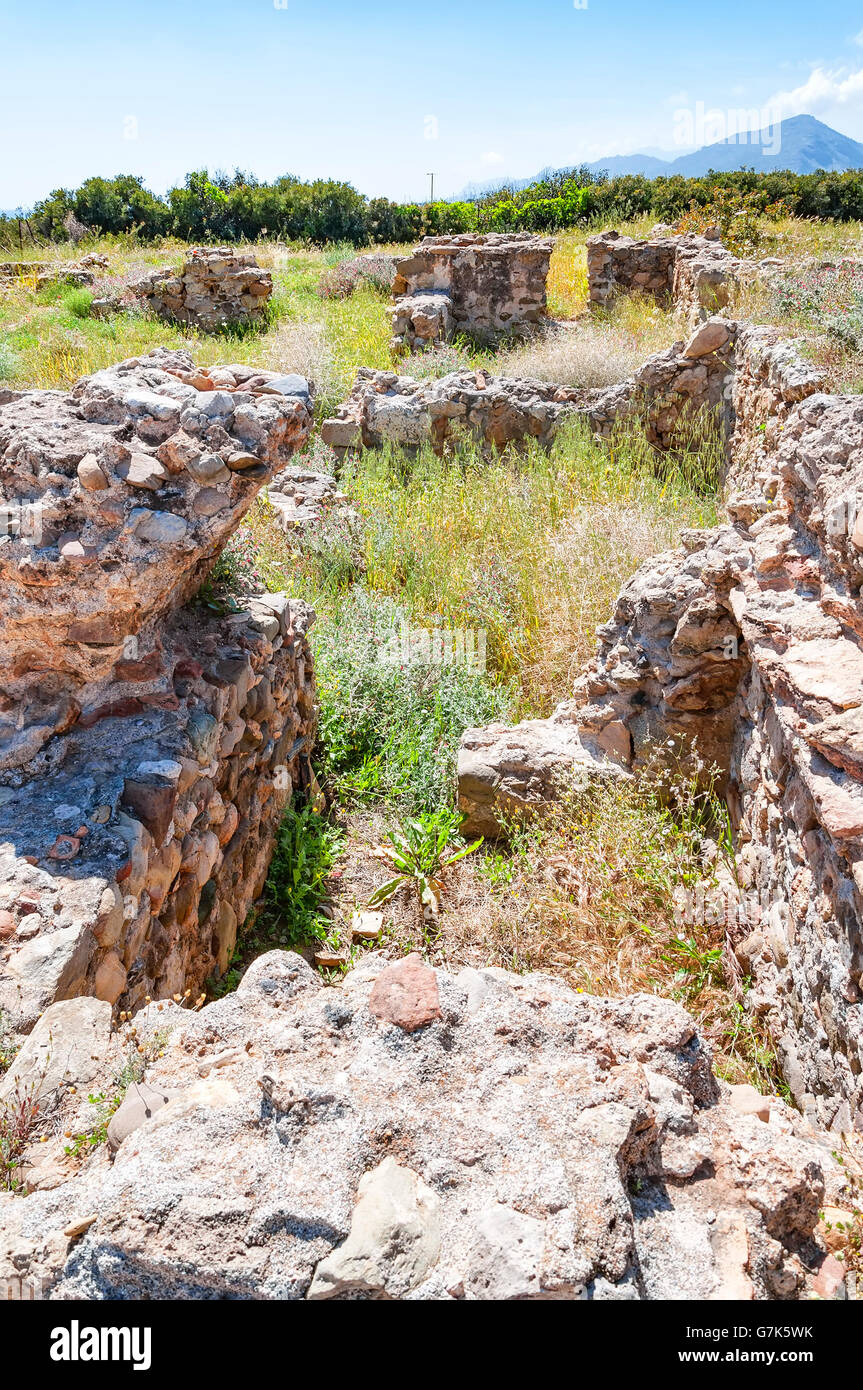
(804,146)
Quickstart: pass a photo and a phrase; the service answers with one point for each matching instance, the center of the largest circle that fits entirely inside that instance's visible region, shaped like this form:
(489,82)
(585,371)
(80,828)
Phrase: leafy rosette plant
(422,849)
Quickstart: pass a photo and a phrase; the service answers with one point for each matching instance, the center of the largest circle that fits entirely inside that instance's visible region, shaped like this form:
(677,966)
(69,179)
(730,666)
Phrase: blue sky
(381,93)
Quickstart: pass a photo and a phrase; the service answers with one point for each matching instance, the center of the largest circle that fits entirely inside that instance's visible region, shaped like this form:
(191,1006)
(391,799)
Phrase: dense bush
(828,299)
(237,207)
(390,730)
(376,272)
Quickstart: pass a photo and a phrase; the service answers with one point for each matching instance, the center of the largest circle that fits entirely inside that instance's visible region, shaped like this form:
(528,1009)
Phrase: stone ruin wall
(148,745)
(664,396)
(489,286)
(215,288)
(747,644)
(44,273)
(148,748)
(696,275)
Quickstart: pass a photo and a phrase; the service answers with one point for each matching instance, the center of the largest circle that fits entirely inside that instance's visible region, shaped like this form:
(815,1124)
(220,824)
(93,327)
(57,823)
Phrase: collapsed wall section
(664,397)
(214,288)
(695,275)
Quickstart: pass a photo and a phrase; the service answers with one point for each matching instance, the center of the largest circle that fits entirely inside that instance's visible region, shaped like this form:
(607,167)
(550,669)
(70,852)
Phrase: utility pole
(431,198)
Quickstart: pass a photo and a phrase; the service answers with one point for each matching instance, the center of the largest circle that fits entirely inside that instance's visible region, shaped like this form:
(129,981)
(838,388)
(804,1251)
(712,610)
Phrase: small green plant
(419,850)
(227,983)
(97,1133)
(307,847)
(390,730)
(139,1054)
(502,861)
(696,966)
(850,1229)
(19,1114)
(750,1053)
(496,868)
(79,303)
(8,362)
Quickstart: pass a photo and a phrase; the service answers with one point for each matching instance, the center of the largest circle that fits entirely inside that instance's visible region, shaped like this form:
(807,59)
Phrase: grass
(390,730)
(19,1118)
(531,548)
(599,350)
(48,338)
(293,913)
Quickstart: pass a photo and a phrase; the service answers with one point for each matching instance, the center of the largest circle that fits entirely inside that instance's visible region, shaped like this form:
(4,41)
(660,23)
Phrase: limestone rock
(513,1151)
(394,1240)
(68,1046)
(140,1103)
(506,771)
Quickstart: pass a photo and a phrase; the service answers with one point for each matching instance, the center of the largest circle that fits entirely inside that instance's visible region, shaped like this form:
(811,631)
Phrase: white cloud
(492,157)
(858,39)
(822,90)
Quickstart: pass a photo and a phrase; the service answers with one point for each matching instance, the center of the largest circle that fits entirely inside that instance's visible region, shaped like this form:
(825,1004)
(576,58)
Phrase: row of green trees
(237,207)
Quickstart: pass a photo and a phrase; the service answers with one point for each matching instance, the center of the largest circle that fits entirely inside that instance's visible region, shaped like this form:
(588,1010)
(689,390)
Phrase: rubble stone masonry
(147,745)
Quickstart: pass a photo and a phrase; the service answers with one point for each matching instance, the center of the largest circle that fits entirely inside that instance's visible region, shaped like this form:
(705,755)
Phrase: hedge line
(239,208)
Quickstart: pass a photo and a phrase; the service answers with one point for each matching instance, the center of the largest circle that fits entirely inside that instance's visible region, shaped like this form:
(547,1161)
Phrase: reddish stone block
(406,994)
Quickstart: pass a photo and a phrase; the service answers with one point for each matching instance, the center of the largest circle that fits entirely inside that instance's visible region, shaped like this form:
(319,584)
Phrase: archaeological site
(431,742)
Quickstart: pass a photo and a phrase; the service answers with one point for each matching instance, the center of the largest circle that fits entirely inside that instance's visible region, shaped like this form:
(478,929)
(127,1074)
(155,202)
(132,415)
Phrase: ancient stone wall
(695,275)
(489,286)
(744,651)
(78,272)
(664,396)
(619,265)
(215,287)
(148,746)
(385,407)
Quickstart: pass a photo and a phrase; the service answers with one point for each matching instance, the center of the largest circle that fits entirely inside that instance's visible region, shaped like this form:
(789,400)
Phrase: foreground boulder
(524,1142)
